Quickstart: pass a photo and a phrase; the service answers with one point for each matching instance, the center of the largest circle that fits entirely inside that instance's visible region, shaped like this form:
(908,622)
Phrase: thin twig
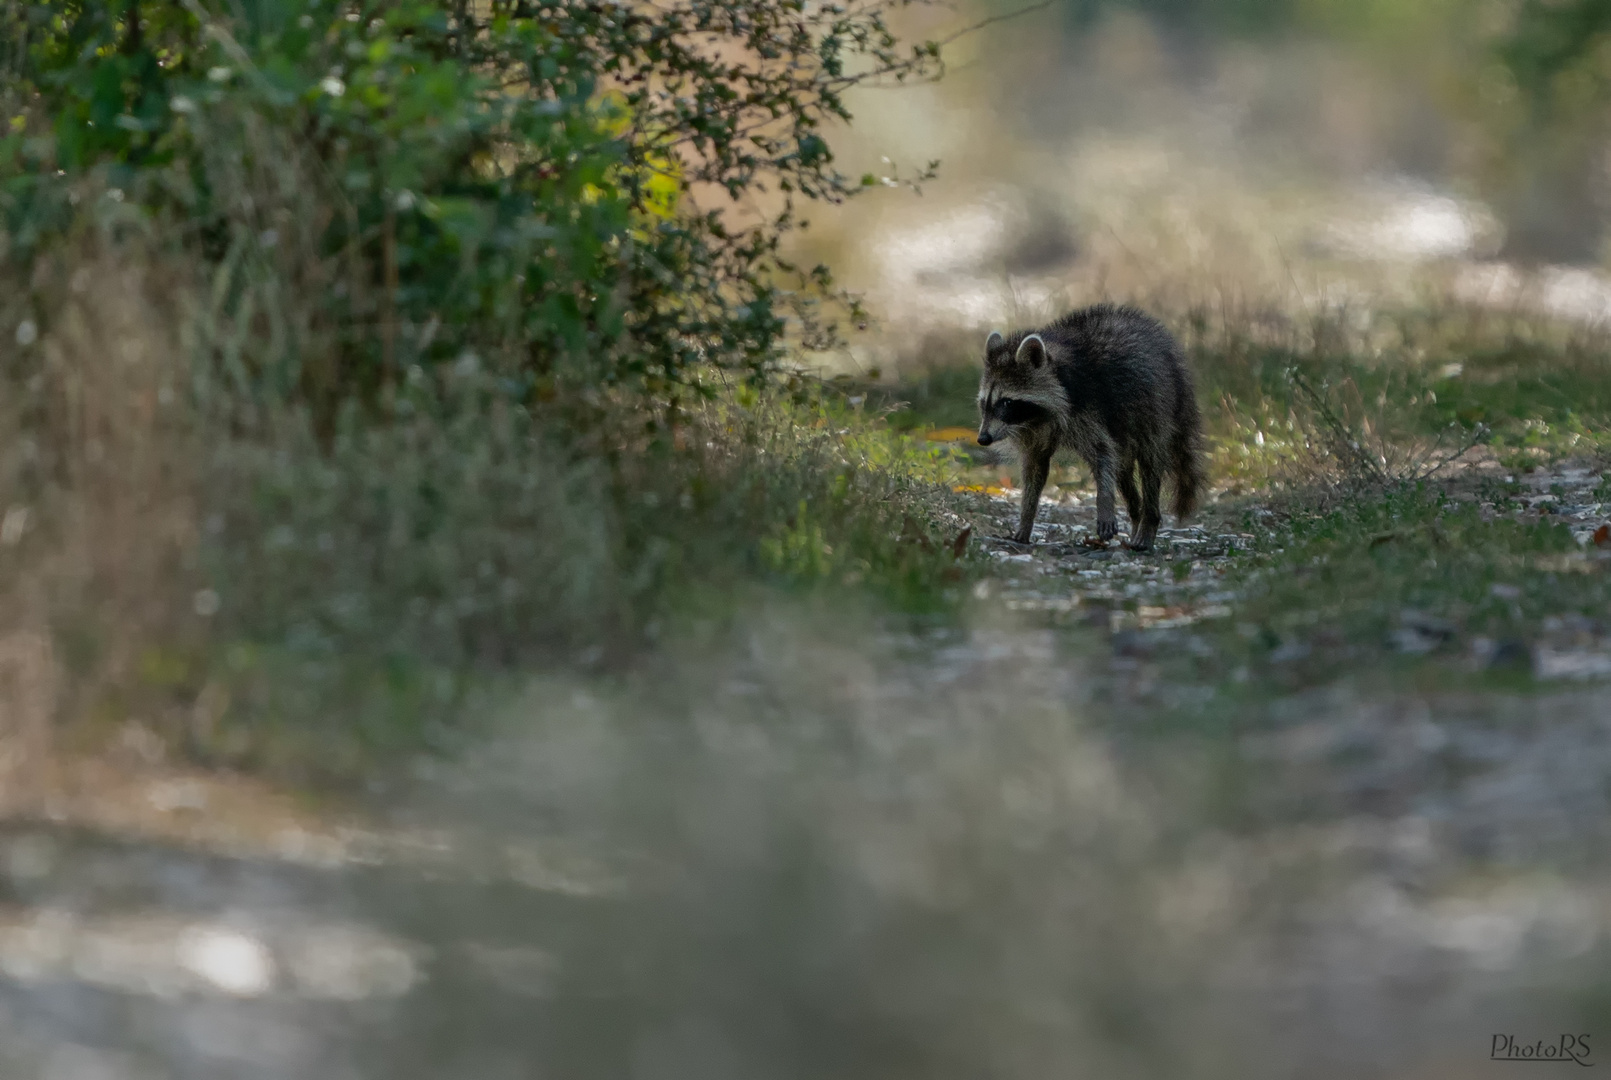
(1475,438)
(1345,446)
(1003,17)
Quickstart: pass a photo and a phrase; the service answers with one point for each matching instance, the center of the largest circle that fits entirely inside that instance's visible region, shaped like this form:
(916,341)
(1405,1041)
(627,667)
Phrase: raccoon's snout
(985,438)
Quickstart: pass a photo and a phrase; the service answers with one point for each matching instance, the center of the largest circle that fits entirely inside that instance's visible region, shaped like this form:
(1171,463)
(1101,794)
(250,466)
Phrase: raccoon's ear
(994,342)
(1032,351)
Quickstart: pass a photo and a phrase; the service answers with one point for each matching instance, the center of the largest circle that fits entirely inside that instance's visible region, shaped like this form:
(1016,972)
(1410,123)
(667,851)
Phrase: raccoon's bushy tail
(1186,455)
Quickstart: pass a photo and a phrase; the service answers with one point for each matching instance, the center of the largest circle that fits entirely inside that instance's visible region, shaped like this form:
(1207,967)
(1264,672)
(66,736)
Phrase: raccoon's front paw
(1107,530)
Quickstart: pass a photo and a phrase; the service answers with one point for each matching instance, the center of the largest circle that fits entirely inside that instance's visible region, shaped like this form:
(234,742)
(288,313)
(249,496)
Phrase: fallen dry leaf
(949,434)
(960,544)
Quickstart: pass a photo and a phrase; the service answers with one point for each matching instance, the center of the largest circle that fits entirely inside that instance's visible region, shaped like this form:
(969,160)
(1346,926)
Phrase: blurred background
(1239,156)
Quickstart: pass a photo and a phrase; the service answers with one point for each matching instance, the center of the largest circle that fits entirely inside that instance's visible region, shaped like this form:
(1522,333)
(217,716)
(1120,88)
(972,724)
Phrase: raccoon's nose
(985,438)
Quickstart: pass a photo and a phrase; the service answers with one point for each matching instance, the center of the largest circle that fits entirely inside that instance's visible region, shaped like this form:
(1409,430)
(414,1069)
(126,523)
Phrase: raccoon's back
(1118,333)
(1125,367)
(1118,357)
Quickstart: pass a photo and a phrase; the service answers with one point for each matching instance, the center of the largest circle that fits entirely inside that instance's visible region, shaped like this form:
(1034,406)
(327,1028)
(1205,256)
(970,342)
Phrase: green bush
(540,186)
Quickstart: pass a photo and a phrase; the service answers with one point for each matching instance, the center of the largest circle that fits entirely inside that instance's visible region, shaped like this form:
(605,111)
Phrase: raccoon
(1111,384)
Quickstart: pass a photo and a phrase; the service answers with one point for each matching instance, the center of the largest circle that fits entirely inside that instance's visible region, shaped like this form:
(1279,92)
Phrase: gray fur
(1111,384)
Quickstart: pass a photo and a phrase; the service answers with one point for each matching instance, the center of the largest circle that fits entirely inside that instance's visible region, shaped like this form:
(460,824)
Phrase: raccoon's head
(1019,392)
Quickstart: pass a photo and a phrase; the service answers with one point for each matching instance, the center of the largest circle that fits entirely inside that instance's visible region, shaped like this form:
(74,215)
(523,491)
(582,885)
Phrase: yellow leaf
(949,434)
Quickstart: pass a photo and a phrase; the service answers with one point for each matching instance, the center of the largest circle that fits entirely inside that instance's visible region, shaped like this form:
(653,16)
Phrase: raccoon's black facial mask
(1014,412)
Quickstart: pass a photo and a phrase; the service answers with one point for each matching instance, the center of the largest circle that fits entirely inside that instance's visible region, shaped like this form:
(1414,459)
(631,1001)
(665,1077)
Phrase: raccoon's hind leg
(1145,527)
(1102,470)
(1127,489)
